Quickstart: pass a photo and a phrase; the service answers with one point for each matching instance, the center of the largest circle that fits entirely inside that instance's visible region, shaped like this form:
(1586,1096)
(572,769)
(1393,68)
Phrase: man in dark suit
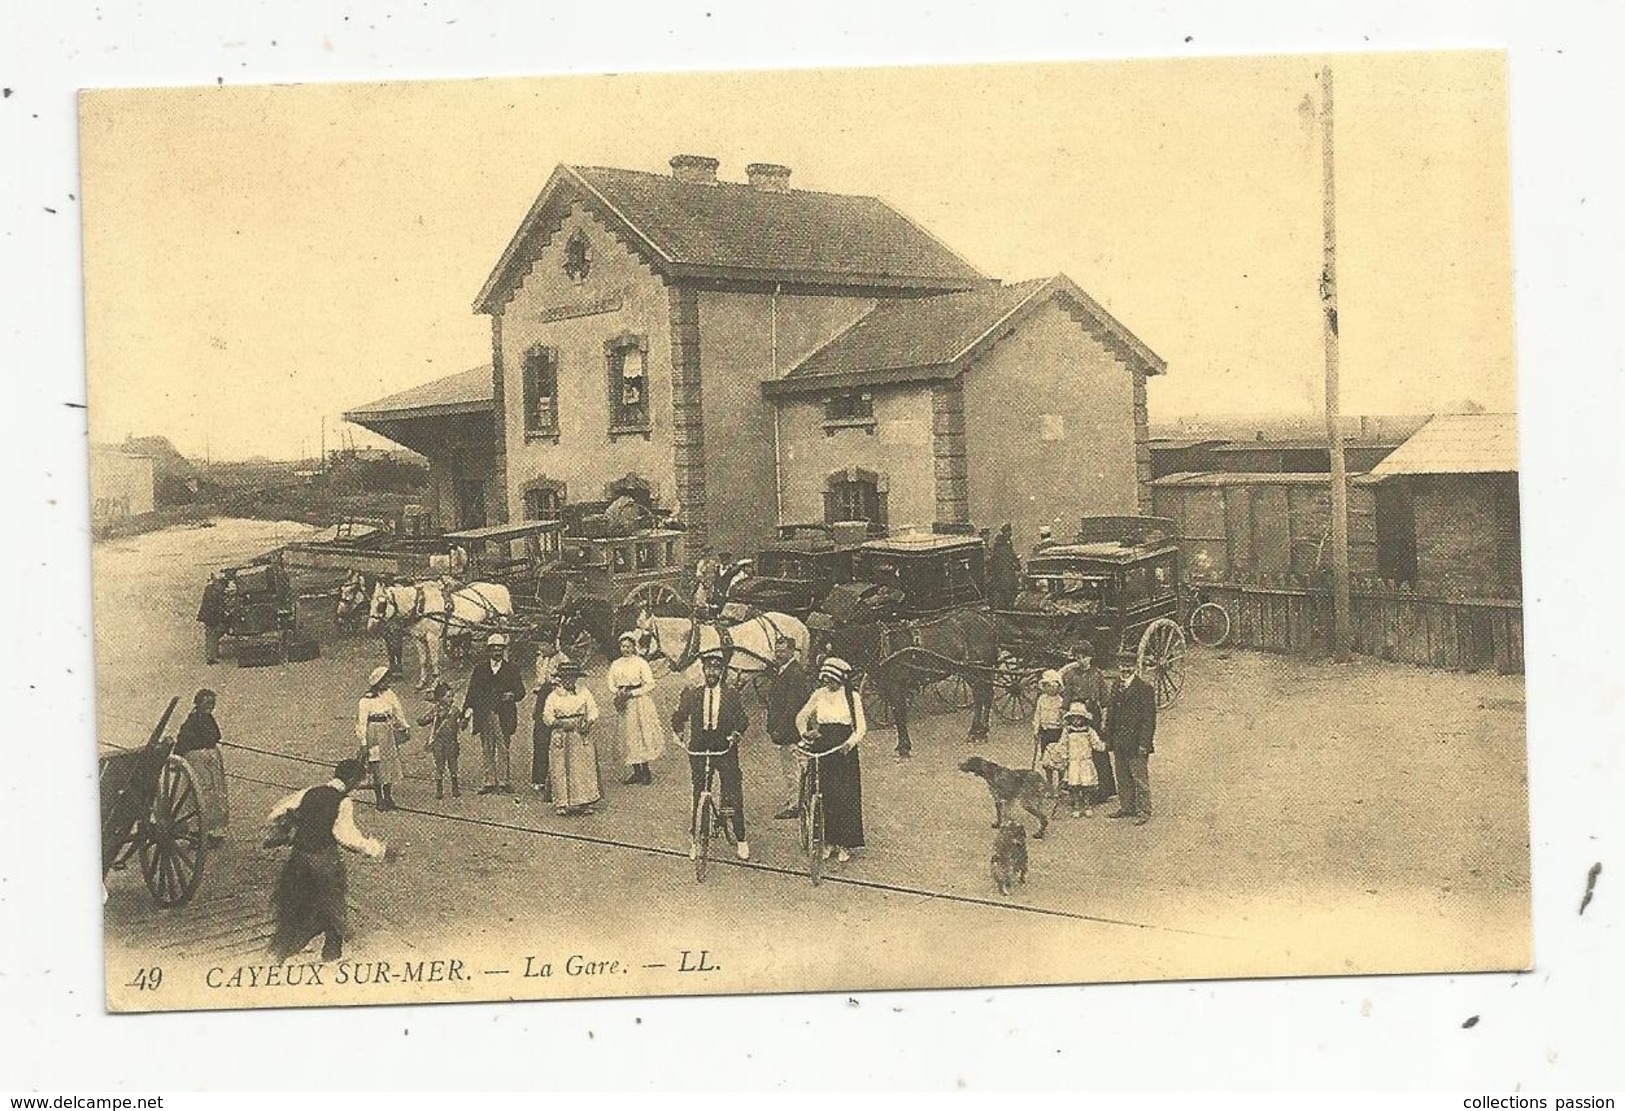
(713,719)
(786,694)
(490,705)
(1131,725)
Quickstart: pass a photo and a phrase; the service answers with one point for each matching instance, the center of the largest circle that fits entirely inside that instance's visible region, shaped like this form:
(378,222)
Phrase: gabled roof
(469,392)
(1480,443)
(931,338)
(728,230)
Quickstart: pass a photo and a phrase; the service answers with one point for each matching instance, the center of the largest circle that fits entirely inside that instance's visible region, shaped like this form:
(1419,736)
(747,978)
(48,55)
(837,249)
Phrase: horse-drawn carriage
(261,624)
(152,810)
(1117,586)
(795,572)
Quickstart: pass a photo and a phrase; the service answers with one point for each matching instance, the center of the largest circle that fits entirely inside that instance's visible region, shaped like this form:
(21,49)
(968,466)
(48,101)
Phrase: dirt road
(1309,819)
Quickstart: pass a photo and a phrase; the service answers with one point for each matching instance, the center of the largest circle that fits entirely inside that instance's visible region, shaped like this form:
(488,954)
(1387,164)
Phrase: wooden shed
(1251,524)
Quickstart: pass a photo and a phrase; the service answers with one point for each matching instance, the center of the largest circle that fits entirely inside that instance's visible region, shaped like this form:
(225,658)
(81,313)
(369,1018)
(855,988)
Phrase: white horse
(750,643)
(431,612)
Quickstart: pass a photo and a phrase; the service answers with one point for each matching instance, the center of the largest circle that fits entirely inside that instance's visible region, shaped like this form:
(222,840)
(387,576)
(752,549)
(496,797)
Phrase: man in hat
(1082,681)
(310,893)
(490,706)
(1131,725)
(786,694)
(714,719)
(212,613)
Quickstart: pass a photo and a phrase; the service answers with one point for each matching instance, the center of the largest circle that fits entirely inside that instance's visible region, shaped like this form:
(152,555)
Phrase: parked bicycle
(1207,621)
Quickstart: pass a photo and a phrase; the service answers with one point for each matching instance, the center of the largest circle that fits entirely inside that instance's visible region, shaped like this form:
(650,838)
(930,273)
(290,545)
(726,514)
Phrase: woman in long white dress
(380,723)
(641,736)
(569,713)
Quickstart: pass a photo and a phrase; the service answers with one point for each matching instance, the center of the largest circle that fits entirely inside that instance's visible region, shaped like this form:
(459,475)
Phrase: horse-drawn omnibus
(795,572)
(1115,585)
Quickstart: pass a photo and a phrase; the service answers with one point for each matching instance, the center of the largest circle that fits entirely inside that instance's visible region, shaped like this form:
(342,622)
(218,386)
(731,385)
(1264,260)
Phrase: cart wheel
(1209,624)
(953,693)
(1162,659)
(581,649)
(172,845)
(1015,688)
(876,710)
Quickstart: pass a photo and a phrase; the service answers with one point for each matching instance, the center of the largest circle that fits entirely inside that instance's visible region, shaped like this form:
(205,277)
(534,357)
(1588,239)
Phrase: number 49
(147,979)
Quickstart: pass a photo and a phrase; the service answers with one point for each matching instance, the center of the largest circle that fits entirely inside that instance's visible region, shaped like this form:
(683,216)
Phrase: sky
(261,258)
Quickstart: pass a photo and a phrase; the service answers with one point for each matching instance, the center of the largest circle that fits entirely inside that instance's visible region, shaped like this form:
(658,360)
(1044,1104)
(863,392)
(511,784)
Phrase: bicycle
(1208,622)
(708,813)
(812,812)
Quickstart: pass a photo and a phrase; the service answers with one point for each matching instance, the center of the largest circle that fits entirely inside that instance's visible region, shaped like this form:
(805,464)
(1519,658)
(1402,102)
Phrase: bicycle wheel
(814,836)
(1209,624)
(705,831)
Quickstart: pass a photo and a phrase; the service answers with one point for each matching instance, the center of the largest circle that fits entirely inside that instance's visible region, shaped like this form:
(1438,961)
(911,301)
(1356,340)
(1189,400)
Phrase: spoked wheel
(876,708)
(953,693)
(1209,624)
(660,599)
(705,832)
(581,647)
(812,836)
(1162,659)
(172,847)
(1015,689)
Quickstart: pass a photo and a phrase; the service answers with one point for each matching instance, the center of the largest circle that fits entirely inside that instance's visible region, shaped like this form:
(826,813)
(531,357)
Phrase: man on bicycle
(714,719)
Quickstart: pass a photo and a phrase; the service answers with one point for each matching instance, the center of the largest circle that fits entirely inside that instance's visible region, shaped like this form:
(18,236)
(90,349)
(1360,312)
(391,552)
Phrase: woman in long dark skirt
(833,723)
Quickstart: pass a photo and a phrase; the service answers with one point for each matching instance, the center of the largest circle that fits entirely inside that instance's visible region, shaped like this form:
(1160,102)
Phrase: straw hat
(378,677)
(497,640)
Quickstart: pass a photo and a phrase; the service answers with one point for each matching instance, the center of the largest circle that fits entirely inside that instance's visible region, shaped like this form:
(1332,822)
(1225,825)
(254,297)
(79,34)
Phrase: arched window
(856,494)
(627,359)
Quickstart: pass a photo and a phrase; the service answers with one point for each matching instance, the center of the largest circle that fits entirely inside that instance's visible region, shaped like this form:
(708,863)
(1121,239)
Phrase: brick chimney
(769,177)
(694,169)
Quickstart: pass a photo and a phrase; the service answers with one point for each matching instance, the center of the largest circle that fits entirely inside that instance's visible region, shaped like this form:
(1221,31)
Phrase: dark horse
(898,657)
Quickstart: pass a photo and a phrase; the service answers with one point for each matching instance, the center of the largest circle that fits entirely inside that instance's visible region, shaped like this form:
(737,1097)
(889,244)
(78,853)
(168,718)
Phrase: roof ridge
(746,185)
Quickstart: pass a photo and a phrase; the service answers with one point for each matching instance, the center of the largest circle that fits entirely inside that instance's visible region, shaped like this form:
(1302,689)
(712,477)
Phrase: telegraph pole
(1334,432)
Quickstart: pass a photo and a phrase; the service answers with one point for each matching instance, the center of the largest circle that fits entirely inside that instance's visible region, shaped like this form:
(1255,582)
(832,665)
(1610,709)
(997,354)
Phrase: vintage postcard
(805,531)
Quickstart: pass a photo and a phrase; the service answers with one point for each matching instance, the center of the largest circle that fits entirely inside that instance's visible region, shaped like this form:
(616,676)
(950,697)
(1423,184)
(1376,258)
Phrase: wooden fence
(1387,620)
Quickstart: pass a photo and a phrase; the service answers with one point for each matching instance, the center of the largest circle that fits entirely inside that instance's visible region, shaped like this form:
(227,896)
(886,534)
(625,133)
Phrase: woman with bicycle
(832,725)
(713,719)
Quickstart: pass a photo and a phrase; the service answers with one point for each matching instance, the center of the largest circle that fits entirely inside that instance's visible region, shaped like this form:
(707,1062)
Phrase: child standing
(1081,740)
(1047,712)
(445,720)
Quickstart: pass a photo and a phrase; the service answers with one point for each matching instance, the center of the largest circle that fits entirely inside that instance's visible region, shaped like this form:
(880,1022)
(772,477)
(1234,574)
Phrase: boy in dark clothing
(446,721)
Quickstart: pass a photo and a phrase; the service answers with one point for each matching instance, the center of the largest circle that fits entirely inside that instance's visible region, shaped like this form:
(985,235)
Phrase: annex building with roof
(750,353)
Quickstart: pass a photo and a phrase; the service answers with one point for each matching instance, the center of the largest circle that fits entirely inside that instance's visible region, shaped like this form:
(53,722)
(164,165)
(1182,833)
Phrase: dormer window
(627,360)
(578,257)
(849,409)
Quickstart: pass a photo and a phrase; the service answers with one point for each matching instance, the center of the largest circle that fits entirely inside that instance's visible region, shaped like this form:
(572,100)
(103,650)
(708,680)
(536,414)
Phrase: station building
(748,353)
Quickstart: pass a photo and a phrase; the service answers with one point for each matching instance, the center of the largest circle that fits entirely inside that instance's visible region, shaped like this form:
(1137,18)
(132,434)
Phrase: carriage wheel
(1209,624)
(1015,688)
(172,846)
(953,693)
(1162,659)
(876,709)
(581,649)
(658,598)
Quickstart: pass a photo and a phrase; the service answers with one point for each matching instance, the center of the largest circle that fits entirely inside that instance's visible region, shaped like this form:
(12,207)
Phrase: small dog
(1012,785)
(1010,856)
